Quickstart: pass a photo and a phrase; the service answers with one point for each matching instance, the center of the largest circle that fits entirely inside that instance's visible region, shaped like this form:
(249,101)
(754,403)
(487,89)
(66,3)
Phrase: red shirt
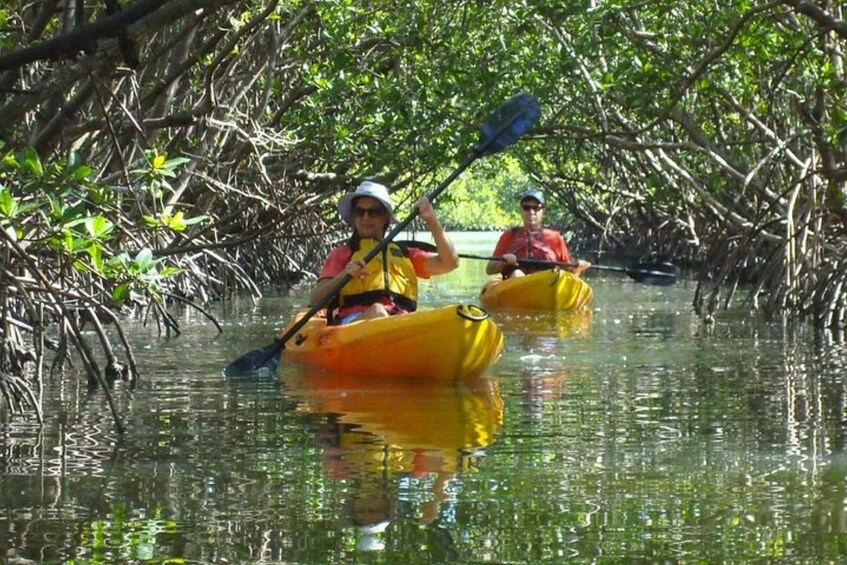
(552,238)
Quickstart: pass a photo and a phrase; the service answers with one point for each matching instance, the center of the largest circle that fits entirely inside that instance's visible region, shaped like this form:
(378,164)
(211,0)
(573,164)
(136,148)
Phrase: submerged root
(18,396)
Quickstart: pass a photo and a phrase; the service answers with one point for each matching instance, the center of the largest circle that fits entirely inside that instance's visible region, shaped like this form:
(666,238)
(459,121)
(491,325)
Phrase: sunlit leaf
(96,254)
(98,226)
(174,222)
(8,203)
(9,160)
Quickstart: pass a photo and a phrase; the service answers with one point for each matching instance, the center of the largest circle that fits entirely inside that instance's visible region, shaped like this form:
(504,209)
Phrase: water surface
(629,432)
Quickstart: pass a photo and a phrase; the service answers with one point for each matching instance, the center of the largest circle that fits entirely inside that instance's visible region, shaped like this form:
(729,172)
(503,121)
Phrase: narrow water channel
(626,432)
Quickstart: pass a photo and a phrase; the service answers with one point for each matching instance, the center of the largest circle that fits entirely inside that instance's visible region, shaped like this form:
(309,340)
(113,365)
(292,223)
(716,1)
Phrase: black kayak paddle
(657,274)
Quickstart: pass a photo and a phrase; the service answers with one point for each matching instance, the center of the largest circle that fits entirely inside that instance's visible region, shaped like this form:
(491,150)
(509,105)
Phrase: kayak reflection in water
(376,473)
(388,284)
(531,241)
(386,436)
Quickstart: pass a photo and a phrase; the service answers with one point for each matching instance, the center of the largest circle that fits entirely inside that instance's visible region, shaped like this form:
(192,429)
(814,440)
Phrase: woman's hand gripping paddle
(508,123)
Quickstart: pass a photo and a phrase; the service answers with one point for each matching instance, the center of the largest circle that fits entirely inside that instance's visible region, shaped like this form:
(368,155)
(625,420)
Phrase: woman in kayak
(388,284)
(531,242)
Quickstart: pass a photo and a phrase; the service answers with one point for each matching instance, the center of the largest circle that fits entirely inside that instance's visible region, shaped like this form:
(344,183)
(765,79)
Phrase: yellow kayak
(452,342)
(550,290)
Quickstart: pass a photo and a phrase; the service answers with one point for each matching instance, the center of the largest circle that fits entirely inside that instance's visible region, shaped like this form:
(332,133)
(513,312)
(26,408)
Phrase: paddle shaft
(653,273)
(665,272)
(541,262)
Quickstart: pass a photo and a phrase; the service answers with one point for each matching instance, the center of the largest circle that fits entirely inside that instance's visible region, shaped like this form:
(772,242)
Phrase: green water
(629,433)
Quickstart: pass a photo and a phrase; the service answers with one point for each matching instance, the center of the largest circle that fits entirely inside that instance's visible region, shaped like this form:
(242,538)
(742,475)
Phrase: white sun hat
(367,188)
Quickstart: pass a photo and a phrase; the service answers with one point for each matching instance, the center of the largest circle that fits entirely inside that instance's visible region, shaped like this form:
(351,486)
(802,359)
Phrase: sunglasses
(376,212)
(534,207)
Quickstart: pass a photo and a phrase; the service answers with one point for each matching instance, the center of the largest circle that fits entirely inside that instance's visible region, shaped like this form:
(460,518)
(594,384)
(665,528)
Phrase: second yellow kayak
(550,290)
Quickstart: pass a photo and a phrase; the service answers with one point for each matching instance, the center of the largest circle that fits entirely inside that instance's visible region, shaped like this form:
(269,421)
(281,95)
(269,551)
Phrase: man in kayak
(531,242)
(388,284)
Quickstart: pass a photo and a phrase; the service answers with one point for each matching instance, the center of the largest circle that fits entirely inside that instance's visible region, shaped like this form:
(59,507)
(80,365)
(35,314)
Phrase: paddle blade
(657,274)
(262,360)
(510,121)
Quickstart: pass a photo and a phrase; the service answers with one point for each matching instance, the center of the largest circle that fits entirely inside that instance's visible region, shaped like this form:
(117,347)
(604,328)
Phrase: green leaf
(32,162)
(8,203)
(174,222)
(98,227)
(144,259)
(119,262)
(11,161)
(168,271)
(96,254)
(150,221)
(171,164)
(120,293)
(81,172)
(196,220)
